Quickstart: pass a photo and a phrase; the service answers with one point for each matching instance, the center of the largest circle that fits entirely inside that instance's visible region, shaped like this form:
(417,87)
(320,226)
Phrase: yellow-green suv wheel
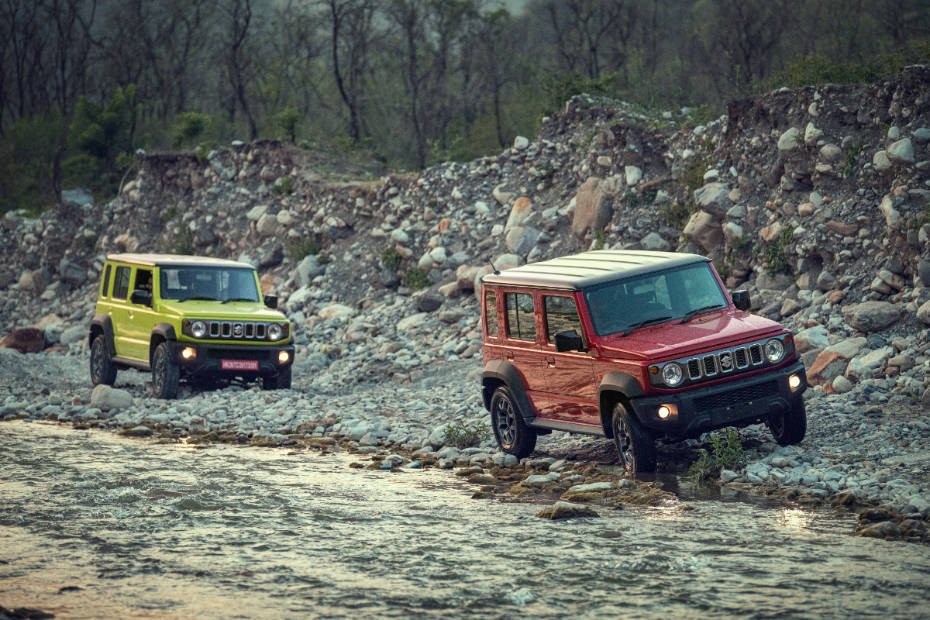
(165,372)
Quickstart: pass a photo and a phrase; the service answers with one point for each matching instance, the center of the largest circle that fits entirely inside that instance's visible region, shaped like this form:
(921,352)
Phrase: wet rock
(567,510)
(538,480)
(883,529)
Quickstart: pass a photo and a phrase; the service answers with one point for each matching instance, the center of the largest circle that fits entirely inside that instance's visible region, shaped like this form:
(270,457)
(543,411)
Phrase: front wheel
(789,427)
(102,370)
(635,446)
(279,381)
(512,434)
(165,373)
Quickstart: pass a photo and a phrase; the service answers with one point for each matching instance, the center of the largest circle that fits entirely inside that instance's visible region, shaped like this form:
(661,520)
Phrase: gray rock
(923,313)
(923,271)
(522,239)
(309,268)
(538,480)
(633,175)
(429,302)
(79,198)
(872,316)
(880,161)
(901,152)
(921,135)
(592,209)
(714,198)
(592,486)
(790,139)
(654,241)
(106,398)
(73,334)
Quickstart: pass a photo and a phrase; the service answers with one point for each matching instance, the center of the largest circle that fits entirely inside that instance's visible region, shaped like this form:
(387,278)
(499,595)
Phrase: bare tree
(585,30)
(238,57)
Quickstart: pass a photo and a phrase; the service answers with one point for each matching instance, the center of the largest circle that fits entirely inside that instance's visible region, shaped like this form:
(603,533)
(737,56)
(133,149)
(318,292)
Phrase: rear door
(523,349)
(119,310)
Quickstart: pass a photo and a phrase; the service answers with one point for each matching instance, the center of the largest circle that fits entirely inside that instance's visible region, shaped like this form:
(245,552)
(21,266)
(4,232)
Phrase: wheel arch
(102,325)
(616,387)
(501,373)
(162,332)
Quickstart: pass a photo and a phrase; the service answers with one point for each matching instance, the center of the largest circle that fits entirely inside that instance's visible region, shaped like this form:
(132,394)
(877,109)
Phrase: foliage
(464,435)
(415,279)
(297,248)
(726,453)
(600,238)
(188,127)
(287,122)
(809,69)
(26,158)
(776,259)
(677,214)
(283,185)
(390,257)
(852,157)
(559,88)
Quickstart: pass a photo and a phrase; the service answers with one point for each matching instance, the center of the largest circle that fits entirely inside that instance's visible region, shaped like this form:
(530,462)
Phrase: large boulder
(714,198)
(106,398)
(25,340)
(704,230)
(520,212)
(872,316)
(592,210)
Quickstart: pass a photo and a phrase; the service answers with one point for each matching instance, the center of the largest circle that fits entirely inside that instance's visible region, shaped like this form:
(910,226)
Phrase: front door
(569,374)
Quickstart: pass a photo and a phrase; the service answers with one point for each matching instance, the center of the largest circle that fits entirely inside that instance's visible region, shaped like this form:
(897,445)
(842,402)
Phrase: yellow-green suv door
(141,318)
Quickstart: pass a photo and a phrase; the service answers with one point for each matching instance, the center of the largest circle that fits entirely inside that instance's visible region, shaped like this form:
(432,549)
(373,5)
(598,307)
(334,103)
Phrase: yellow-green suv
(187,317)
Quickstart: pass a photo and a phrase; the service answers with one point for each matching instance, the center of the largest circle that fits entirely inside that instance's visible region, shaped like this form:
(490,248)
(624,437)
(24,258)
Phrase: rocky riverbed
(863,450)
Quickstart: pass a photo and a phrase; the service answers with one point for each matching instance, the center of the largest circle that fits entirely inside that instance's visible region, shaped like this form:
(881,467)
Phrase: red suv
(632,345)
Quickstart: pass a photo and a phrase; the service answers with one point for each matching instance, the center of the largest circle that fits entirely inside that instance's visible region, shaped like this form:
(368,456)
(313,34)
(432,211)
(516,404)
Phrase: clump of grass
(284,185)
(726,452)
(390,257)
(676,214)
(600,239)
(297,248)
(415,279)
(776,259)
(463,435)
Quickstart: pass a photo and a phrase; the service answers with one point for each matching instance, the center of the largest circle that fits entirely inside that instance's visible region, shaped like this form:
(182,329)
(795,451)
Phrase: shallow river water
(96,525)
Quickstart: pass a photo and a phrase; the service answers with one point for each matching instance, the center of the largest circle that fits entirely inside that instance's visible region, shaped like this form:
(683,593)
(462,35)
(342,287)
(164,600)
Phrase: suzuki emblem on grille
(237,330)
(726,361)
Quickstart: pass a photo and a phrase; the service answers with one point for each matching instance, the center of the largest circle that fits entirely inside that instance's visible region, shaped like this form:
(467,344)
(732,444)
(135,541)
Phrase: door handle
(550,362)
(509,356)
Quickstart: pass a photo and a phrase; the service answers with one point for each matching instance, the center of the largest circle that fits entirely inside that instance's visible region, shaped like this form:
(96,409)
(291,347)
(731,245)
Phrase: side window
(121,283)
(490,313)
(143,280)
(521,318)
(105,285)
(561,316)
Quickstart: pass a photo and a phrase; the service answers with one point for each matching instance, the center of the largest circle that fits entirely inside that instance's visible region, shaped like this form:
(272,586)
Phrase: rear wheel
(635,446)
(165,373)
(789,427)
(279,381)
(102,370)
(512,434)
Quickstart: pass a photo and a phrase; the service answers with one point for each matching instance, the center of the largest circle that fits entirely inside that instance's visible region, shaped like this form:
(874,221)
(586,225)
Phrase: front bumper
(737,402)
(209,358)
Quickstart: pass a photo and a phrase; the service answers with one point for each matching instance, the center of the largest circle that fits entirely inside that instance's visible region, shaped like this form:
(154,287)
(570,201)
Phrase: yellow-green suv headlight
(275,332)
(198,329)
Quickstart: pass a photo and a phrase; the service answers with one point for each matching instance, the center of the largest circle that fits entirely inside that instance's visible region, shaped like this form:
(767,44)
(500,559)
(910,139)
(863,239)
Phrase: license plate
(239,364)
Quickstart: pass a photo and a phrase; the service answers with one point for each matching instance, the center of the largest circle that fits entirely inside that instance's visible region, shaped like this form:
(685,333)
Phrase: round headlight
(671,374)
(774,350)
(198,329)
(275,332)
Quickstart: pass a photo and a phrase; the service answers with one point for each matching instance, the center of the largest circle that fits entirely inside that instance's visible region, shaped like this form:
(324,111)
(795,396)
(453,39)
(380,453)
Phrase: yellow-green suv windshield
(223,284)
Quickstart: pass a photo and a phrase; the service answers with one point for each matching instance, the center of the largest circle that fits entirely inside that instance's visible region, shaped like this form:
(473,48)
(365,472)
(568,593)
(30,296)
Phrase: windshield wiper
(226,301)
(643,323)
(199,297)
(693,313)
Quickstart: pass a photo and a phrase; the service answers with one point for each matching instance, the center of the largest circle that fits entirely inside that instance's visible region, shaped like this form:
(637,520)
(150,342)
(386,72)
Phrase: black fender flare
(615,383)
(163,332)
(500,371)
(104,323)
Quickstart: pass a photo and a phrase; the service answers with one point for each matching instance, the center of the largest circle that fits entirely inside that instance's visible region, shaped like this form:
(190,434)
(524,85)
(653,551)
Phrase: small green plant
(776,259)
(676,214)
(600,239)
(287,121)
(415,279)
(188,126)
(463,435)
(852,157)
(726,452)
(284,185)
(297,248)
(390,257)
(169,214)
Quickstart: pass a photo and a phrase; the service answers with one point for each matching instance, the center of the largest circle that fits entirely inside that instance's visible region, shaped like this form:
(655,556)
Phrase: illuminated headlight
(198,329)
(283,357)
(275,332)
(188,353)
(794,382)
(664,412)
(774,350)
(672,374)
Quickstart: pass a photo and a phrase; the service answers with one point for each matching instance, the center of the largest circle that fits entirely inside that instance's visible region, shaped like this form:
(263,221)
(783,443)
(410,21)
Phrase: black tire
(279,381)
(165,372)
(512,434)
(102,370)
(789,428)
(636,448)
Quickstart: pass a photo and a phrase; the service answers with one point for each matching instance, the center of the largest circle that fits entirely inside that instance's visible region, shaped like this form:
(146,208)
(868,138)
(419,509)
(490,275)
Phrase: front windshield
(619,306)
(210,283)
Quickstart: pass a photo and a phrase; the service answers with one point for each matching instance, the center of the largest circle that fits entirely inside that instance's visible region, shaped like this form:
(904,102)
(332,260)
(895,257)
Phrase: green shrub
(463,435)
(776,259)
(415,279)
(284,185)
(726,452)
(390,257)
(297,248)
(600,239)
(852,157)
(561,87)
(188,127)
(676,214)
(286,120)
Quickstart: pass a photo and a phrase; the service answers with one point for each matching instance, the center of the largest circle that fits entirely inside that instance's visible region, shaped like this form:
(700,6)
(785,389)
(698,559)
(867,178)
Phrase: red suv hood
(703,333)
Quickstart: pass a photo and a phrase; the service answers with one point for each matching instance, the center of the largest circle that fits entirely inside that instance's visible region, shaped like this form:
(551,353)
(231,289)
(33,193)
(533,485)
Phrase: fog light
(188,353)
(283,357)
(794,382)
(667,411)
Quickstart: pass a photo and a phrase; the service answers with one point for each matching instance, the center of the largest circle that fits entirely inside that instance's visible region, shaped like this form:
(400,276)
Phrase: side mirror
(741,300)
(271,301)
(569,341)
(141,298)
